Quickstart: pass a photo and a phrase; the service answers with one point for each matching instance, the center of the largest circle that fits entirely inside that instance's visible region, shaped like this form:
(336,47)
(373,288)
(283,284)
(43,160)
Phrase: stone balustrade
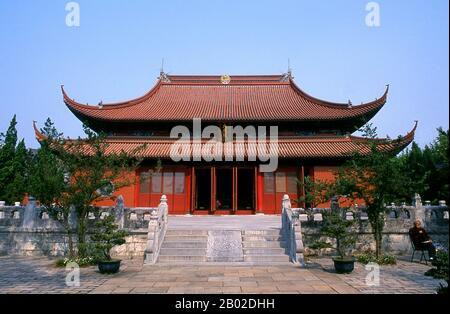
(292,231)
(399,218)
(31,230)
(157,227)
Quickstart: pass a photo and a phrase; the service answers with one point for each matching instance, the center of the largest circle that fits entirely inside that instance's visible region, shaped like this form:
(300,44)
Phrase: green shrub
(385,259)
(339,229)
(106,235)
(440,270)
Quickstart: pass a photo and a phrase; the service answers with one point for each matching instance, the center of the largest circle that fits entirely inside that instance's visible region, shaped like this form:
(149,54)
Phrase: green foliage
(106,235)
(427,168)
(440,270)
(14,163)
(376,178)
(69,176)
(316,191)
(320,246)
(384,259)
(339,229)
(47,172)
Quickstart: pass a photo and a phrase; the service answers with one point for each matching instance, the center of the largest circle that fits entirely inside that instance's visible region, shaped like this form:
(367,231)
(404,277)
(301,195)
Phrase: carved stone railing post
(119,211)
(292,231)
(157,226)
(164,207)
(419,211)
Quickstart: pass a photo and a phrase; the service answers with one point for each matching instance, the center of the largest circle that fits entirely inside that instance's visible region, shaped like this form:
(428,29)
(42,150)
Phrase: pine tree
(14,163)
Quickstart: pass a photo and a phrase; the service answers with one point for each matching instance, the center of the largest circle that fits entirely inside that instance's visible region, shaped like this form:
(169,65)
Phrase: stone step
(262,238)
(181,258)
(188,238)
(261,232)
(184,244)
(264,251)
(172,232)
(263,244)
(225,259)
(183,251)
(266,258)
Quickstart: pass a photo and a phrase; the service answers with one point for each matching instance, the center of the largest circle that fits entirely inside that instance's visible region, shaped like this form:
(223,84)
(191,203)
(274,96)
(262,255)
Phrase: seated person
(421,239)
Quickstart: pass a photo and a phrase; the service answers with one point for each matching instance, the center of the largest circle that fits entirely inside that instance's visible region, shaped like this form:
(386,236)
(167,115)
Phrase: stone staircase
(264,246)
(184,246)
(203,247)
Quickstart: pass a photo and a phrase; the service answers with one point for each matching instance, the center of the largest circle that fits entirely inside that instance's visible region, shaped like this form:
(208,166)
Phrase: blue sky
(116,54)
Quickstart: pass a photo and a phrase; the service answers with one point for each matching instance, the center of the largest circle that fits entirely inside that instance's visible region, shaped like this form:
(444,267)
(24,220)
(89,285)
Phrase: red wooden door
(275,186)
(268,201)
(180,192)
(173,184)
(143,189)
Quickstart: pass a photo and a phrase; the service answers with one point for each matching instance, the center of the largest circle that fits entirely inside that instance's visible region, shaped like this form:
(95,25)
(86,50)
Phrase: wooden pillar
(213,189)
(302,180)
(192,186)
(256,198)
(235,189)
(137,188)
(259,192)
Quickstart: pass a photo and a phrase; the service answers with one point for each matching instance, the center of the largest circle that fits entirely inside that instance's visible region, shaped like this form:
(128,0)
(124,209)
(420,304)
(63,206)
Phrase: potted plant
(106,236)
(339,229)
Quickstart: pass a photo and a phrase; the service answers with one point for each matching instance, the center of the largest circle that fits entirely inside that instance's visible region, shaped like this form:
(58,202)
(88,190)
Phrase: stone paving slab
(39,275)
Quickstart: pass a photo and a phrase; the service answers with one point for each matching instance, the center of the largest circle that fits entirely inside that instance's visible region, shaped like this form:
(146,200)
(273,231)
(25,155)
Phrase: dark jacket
(418,235)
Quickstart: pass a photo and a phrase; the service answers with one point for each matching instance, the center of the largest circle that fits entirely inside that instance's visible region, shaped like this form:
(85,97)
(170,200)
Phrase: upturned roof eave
(363,112)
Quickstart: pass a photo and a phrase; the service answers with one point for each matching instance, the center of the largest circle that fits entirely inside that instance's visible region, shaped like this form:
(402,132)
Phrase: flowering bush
(81,261)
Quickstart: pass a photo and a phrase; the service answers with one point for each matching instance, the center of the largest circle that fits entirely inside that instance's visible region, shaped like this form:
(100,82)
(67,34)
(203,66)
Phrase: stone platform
(225,222)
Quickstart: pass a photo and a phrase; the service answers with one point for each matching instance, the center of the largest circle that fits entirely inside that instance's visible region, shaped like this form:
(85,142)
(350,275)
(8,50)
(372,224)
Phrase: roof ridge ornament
(163,77)
(286,77)
(225,79)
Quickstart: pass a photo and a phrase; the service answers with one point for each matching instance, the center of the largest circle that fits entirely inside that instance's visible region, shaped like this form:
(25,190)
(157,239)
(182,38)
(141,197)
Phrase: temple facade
(215,170)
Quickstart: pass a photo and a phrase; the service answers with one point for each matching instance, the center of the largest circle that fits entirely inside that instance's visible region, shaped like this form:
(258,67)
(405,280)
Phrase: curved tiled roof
(288,147)
(244,98)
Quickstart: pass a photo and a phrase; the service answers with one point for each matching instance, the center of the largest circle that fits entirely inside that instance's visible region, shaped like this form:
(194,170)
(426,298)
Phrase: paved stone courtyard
(39,275)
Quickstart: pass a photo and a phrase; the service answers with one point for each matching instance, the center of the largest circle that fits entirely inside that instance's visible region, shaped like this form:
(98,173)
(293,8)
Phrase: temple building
(313,138)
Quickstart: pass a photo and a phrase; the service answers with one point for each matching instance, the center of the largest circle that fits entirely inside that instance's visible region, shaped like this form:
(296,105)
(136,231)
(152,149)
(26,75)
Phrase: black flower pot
(109,267)
(344,265)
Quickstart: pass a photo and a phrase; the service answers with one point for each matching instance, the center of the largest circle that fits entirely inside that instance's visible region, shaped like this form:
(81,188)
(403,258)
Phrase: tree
(47,180)
(105,236)
(375,177)
(427,168)
(438,180)
(87,168)
(338,228)
(14,163)
(440,270)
